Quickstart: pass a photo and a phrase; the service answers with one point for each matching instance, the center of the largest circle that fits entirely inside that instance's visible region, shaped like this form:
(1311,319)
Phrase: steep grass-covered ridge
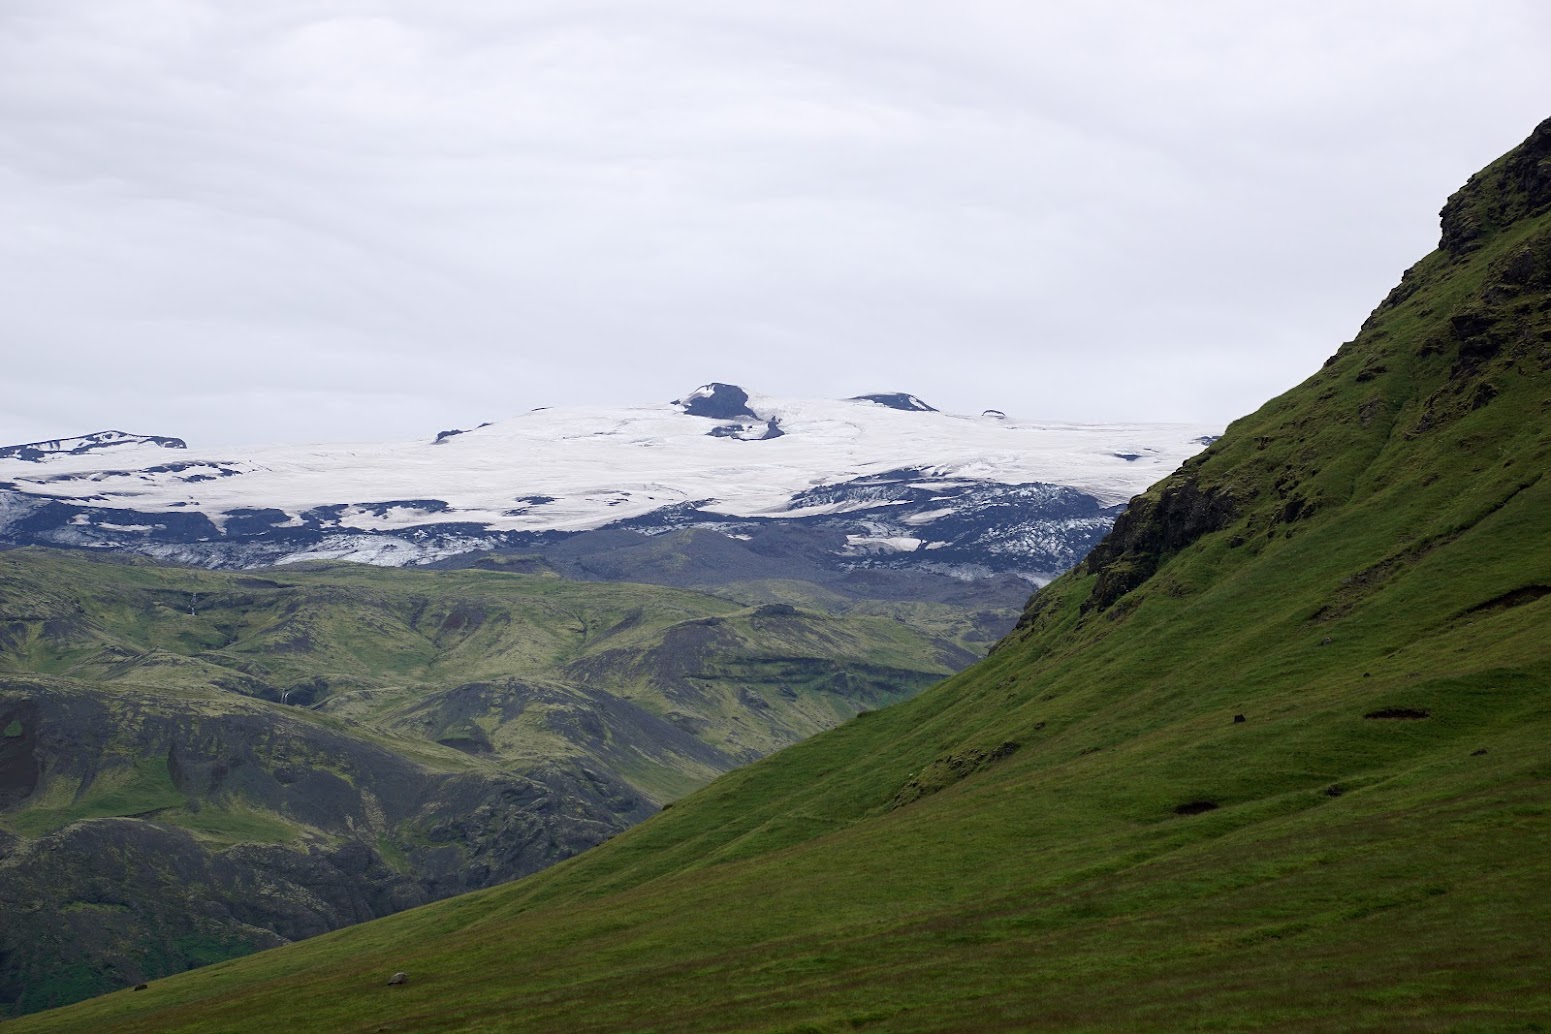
(1273,758)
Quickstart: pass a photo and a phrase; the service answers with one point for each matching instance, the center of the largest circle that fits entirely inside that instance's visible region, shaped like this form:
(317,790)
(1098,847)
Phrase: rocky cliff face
(1516,186)
(1157,525)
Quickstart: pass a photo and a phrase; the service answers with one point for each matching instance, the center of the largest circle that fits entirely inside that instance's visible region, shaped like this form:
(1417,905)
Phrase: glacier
(971,493)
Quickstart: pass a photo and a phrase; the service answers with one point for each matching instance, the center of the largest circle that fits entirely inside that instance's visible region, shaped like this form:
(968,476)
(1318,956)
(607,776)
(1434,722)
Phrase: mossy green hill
(1273,758)
(197,764)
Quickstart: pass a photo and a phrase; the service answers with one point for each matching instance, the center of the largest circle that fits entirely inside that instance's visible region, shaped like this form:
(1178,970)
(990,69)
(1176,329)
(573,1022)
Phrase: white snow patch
(862,544)
(927,516)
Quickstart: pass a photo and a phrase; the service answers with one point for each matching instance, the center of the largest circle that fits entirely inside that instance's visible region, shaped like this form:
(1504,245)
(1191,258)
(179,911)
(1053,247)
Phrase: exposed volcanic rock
(717,401)
(897,400)
(95,442)
(1514,187)
(1156,526)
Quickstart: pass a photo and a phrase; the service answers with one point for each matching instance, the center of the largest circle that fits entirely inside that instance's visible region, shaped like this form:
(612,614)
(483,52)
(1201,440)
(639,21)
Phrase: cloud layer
(365,220)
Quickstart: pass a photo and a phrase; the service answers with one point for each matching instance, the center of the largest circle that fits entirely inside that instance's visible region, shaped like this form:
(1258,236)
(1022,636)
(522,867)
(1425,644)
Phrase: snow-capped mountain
(99,441)
(888,479)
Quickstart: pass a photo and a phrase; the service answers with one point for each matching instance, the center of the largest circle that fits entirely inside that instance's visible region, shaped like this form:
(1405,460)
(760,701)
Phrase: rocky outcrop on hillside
(1468,354)
(1514,187)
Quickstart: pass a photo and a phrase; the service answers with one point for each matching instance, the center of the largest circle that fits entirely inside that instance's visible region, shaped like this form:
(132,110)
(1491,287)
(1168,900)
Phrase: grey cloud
(357,220)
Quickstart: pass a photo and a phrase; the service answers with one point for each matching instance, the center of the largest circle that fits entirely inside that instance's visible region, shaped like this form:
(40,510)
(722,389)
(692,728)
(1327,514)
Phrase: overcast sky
(337,221)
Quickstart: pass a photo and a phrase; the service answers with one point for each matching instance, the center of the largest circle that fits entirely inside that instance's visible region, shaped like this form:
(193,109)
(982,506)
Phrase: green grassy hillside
(1273,758)
(317,746)
(496,665)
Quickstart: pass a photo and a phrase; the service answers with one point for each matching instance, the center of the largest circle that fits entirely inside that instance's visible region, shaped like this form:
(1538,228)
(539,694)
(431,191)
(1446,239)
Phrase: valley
(197,764)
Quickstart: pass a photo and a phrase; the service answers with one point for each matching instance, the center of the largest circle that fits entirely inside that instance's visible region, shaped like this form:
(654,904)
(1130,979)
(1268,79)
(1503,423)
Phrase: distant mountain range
(882,481)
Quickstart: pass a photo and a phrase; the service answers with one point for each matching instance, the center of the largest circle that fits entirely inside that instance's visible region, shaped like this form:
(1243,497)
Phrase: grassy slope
(137,695)
(384,642)
(1357,873)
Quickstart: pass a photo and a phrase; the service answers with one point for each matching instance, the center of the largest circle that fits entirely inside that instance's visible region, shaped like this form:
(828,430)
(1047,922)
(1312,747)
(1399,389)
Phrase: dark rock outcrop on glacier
(96,442)
(897,400)
(717,401)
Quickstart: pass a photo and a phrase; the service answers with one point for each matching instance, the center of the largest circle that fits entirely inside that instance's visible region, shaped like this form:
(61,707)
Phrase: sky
(363,220)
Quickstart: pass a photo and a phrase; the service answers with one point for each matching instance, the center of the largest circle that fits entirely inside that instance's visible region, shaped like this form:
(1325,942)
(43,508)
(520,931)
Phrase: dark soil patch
(467,619)
(299,643)
(467,744)
(1196,808)
(1517,598)
(776,610)
(1402,713)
